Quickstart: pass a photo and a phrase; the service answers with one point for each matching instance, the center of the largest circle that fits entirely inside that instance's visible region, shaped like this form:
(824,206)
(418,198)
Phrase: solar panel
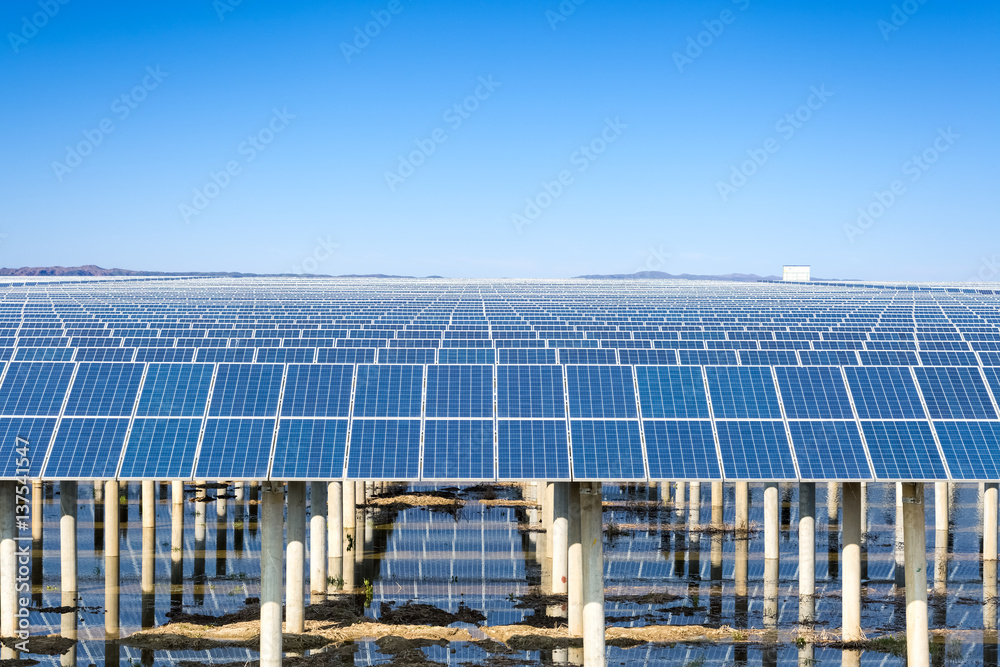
(681,450)
(948,358)
(602,392)
(384,449)
(829,450)
(104,353)
(572,355)
(532,449)
(161,449)
(460,391)
(606,450)
(526,356)
(388,391)
(707,357)
(768,358)
(317,390)
(466,356)
(360,355)
(814,392)
(992,379)
(246,390)
(903,450)
(37,431)
(310,449)
(887,357)
(886,392)
(399,355)
(86,448)
(990,358)
(104,389)
(34,388)
(667,392)
(458,449)
(44,354)
(233,355)
(971,448)
(530,391)
(953,392)
(647,357)
(755,450)
(743,392)
(285,355)
(175,390)
(163,354)
(235,449)
(828,357)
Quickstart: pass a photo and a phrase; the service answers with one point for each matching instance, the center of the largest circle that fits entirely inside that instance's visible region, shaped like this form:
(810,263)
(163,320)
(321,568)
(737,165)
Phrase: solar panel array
(498,380)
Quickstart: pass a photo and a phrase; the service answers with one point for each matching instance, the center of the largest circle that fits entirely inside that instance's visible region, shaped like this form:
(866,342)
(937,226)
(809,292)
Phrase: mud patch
(424,614)
(40,645)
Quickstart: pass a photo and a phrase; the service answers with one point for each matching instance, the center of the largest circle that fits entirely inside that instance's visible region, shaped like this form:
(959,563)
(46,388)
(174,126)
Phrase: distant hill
(92,270)
(660,275)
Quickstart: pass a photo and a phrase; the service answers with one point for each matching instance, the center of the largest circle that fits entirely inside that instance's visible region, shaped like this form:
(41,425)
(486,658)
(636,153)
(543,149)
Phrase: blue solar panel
(526,356)
(317,390)
(990,358)
(888,357)
(829,450)
(163,354)
(235,449)
(768,358)
(44,354)
(232,355)
(603,392)
(884,393)
(35,388)
(681,450)
(402,355)
(707,357)
(37,431)
(384,449)
(972,449)
(647,357)
(246,390)
(532,449)
(903,450)
(104,389)
(175,390)
(755,450)
(606,450)
(310,449)
(388,391)
(458,449)
(814,392)
(460,391)
(462,355)
(949,358)
(104,353)
(743,392)
(992,378)
(360,355)
(668,392)
(571,355)
(285,355)
(828,357)
(953,392)
(161,449)
(530,391)
(86,448)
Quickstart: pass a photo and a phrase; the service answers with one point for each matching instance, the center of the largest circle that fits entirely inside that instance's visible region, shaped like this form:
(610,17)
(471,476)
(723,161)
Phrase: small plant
(350,542)
(800,642)
(337,582)
(51,588)
(739,636)
(369,593)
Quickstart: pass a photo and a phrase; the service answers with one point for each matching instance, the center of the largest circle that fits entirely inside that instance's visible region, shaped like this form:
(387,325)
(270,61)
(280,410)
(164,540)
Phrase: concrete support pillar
(679,501)
(941,538)
(864,531)
(148,575)
(742,507)
(112,559)
(807,553)
(851,563)
(990,557)
(915,559)
(717,504)
(574,564)
(900,572)
(360,499)
(832,501)
(592,539)
(295,595)
(335,534)
(770,554)
(694,514)
(67,537)
(560,537)
(271,567)
(350,527)
(200,533)
(176,543)
(8,560)
(317,542)
(547,514)
(742,545)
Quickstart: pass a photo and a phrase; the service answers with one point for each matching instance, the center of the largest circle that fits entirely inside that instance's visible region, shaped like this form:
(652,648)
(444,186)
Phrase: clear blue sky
(676,119)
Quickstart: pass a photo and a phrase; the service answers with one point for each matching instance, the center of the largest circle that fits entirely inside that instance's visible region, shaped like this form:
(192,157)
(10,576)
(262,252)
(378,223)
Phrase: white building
(796,273)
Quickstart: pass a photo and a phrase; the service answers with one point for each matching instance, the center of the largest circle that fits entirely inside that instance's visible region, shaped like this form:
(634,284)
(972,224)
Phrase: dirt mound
(413,613)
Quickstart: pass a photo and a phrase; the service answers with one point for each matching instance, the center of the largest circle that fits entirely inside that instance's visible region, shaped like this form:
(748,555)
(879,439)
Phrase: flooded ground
(468,565)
